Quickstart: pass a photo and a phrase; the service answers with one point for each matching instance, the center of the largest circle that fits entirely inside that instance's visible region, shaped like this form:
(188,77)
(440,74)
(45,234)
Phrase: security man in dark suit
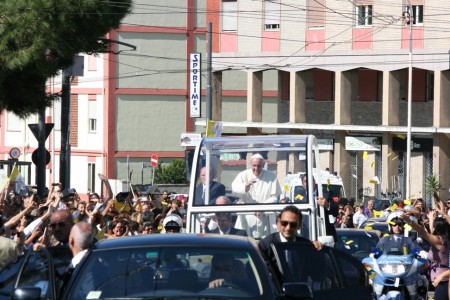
(225,226)
(330,208)
(216,189)
(288,223)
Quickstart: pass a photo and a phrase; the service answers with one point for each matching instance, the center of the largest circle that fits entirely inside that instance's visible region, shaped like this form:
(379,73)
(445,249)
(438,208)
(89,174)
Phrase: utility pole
(209,76)
(77,69)
(409,20)
(64,156)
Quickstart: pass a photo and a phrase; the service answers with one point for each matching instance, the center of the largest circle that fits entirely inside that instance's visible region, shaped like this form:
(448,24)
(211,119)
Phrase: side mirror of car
(296,291)
(26,293)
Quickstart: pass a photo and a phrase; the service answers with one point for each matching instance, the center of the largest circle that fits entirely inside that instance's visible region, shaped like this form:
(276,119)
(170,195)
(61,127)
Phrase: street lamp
(407,15)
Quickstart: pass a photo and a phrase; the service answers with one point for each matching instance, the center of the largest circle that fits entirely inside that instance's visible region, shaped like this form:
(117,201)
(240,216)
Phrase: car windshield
(155,272)
(354,243)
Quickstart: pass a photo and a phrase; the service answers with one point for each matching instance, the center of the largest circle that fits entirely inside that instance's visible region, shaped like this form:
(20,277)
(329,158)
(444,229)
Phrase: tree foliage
(174,173)
(38,38)
(433,185)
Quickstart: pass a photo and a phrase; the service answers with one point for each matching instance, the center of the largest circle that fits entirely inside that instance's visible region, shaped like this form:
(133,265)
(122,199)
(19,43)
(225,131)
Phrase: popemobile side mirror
(376,252)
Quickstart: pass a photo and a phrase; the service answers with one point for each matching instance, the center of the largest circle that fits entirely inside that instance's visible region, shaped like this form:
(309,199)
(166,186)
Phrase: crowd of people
(29,221)
(62,218)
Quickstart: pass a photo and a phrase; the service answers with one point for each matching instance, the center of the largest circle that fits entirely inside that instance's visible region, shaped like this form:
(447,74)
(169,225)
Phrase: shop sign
(325,144)
(363,143)
(417,145)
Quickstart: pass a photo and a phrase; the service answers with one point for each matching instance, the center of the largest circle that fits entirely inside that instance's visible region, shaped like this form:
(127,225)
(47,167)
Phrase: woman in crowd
(438,255)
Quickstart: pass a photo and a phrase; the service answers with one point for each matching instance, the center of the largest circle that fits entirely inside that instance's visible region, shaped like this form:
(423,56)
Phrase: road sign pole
(153,176)
(40,166)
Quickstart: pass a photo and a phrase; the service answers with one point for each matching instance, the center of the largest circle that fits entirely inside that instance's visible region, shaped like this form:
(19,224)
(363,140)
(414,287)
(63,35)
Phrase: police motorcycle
(396,268)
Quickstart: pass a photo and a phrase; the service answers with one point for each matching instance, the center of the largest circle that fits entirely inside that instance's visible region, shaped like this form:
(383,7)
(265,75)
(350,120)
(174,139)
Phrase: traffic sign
(35,129)
(154,160)
(35,157)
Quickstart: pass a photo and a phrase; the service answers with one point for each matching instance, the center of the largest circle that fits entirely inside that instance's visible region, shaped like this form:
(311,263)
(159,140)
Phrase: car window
(8,277)
(303,263)
(353,272)
(153,272)
(37,272)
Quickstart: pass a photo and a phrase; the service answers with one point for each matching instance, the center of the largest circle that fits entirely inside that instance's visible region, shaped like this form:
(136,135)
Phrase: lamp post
(407,15)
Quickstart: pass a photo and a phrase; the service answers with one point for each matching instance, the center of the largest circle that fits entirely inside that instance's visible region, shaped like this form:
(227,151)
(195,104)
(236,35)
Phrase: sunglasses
(286,223)
(398,223)
(55,225)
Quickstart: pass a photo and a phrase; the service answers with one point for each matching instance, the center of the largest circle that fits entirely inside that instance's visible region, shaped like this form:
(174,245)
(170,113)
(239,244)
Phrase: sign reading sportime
(196,85)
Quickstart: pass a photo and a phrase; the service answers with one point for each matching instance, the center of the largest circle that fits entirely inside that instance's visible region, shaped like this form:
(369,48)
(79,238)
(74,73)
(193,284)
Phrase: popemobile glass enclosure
(251,171)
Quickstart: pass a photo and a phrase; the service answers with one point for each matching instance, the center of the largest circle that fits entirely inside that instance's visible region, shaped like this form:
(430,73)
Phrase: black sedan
(188,266)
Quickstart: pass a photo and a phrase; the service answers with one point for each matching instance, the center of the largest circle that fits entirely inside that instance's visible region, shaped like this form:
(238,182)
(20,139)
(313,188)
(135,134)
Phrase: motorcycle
(398,276)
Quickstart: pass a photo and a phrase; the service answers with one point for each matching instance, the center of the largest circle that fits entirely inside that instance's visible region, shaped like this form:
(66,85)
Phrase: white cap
(173,218)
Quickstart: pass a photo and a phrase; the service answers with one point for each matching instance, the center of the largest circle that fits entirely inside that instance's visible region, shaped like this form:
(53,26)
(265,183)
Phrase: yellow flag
(373,181)
(406,202)
(365,155)
(286,188)
(209,128)
(401,136)
(393,207)
(15,171)
(372,164)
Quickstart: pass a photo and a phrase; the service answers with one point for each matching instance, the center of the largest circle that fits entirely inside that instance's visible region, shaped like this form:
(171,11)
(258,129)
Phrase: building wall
(338,26)
(249,28)
(292,27)
(142,118)
(159,62)
(435,24)
(386,30)
(157,13)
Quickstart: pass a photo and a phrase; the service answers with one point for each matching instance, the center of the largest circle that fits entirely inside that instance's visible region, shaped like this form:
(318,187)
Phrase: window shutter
(229,15)
(92,109)
(315,13)
(272,12)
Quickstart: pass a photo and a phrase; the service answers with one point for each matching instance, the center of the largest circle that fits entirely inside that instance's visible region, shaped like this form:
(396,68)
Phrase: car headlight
(394,270)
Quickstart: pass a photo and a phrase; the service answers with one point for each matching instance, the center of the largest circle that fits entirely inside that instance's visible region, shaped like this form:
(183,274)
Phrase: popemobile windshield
(246,176)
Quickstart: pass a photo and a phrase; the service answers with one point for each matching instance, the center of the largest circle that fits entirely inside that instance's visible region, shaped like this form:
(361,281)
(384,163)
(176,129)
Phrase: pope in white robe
(256,185)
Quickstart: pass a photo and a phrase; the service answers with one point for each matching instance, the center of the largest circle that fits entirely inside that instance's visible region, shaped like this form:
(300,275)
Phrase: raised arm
(109,194)
(29,205)
(432,239)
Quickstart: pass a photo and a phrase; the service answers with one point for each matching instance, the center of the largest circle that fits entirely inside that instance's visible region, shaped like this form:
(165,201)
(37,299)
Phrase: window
(229,15)
(92,116)
(57,114)
(14,123)
(272,14)
(364,15)
(315,13)
(91,177)
(417,14)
